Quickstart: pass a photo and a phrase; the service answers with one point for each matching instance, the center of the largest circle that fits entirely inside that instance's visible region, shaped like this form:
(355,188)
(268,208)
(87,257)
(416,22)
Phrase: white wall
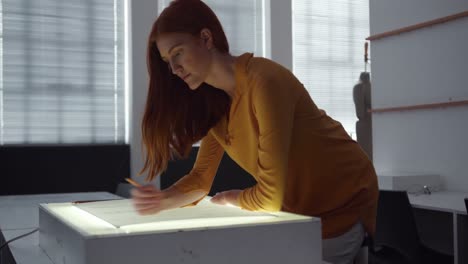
(280,38)
(142,15)
(394,14)
(424,66)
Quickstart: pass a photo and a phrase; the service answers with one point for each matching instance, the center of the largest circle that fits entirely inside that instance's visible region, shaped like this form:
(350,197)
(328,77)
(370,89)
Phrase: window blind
(328,53)
(62,65)
(242,22)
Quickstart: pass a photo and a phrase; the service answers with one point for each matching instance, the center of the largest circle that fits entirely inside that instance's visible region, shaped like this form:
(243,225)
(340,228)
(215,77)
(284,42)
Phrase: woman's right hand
(149,200)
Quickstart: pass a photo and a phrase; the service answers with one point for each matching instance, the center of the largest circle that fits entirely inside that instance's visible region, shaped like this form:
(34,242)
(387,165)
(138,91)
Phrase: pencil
(132,182)
(92,201)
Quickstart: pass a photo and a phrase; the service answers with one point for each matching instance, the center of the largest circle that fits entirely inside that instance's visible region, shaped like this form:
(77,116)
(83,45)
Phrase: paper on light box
(122,213)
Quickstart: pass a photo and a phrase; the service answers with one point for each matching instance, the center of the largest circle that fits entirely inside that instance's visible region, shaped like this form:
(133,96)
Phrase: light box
(112,232)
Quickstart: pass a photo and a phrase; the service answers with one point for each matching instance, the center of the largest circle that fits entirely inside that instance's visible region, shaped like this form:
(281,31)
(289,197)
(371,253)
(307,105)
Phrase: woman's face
(187,56)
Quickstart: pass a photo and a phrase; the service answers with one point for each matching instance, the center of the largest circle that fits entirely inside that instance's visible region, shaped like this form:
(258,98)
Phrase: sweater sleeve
(204,170)
(274,106)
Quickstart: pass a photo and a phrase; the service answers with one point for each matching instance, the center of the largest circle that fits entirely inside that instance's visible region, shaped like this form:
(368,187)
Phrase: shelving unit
(420,89)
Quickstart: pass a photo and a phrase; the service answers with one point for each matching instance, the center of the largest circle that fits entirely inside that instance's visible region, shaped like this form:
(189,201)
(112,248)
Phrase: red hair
(175,116)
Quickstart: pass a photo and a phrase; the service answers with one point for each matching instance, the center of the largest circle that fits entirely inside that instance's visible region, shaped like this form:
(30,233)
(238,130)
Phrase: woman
(261,115)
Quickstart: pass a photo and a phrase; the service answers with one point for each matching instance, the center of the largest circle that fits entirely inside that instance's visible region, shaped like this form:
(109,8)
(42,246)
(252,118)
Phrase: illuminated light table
(110,232)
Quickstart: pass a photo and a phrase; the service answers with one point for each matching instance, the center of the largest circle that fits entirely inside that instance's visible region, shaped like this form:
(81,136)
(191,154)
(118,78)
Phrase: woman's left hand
(227,197)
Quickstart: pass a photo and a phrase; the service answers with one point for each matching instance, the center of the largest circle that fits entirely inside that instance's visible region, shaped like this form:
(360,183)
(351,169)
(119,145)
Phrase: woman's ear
(206,38)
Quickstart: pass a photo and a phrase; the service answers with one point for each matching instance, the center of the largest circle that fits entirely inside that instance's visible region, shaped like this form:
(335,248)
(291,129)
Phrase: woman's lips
(185,77)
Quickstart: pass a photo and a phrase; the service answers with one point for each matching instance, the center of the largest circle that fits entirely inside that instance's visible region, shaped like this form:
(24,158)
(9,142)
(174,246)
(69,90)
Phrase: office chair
(396,238)
(466,204)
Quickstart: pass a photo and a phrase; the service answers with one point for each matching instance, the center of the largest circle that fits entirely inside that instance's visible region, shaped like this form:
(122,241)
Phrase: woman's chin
(193,86)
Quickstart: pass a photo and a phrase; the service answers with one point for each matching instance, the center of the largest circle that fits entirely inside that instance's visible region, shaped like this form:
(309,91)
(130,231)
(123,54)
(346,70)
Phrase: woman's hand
(227,197)
(149,200)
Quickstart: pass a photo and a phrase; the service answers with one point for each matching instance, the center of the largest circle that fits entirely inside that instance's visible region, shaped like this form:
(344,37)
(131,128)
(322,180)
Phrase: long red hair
(175,116)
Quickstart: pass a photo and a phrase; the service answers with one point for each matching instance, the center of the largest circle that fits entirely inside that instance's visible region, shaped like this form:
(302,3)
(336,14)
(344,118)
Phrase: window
(62,65)
(328,53)
(242,22)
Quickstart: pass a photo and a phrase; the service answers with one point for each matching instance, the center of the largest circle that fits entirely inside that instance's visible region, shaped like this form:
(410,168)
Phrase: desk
(452,203)
(20,214)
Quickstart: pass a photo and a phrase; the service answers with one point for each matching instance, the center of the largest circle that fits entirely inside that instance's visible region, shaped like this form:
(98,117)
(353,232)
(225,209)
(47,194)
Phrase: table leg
(462,238)
(5,253)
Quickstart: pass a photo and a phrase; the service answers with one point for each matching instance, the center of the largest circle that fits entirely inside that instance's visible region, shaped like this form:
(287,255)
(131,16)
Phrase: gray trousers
(343,249)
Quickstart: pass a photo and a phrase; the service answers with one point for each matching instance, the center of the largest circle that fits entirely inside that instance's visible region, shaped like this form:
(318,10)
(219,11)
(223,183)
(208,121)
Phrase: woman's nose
(175,68)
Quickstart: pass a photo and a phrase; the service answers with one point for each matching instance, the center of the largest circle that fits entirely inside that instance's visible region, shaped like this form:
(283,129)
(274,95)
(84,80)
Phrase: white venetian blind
(328,52)
(62,65)
(242,22)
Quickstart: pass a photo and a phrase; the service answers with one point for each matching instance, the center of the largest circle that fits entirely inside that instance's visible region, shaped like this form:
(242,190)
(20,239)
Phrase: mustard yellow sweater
(303,161)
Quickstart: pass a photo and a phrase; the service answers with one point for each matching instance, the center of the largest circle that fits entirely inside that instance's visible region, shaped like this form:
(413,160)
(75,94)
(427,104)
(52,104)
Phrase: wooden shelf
(418,26)
(419,107)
